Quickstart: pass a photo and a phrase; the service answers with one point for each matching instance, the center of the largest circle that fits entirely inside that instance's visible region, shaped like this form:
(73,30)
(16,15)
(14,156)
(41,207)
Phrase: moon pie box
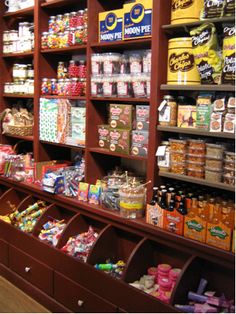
(120,141)
(111,25)
(137,19)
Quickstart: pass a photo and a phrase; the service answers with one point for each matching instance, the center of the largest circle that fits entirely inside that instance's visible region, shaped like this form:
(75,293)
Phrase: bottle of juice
(195,222)
(220,228)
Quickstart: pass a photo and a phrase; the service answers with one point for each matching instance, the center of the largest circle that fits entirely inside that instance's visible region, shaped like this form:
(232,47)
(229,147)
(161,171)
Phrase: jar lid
(165,143)
(168,97)
(59,16)
(81,11)
(52,17)
(66,14)
(73,13)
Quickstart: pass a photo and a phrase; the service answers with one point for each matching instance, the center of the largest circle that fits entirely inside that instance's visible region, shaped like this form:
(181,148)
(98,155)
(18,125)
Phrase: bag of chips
(228,72)
(229,8)
(213,9)
(207,59)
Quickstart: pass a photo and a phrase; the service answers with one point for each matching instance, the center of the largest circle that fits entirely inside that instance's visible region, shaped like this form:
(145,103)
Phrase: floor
(13,300)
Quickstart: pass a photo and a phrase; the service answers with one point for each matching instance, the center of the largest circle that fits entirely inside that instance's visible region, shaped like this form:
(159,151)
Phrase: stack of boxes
(125,134)
(132,22)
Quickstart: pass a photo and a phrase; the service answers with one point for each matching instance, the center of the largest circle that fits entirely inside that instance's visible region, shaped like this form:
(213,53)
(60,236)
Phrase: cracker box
(120,141)
(139,143)
(137,19)
(121,116)
(103,135)
(186,116)
(111,26)
(142,118)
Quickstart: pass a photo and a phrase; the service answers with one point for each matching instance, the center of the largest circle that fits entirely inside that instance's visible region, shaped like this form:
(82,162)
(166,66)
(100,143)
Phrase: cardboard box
(78,115)
(103,135)
(137,19)
(111,26)
(186,116)
(140,143)
(120,141)
(142,118)
(121,116)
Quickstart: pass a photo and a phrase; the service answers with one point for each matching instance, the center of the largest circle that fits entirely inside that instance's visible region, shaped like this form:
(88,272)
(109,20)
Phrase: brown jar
(168,111)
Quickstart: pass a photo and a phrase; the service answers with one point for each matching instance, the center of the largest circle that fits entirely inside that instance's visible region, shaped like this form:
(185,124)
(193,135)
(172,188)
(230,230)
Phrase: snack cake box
(111,25)
(137,19)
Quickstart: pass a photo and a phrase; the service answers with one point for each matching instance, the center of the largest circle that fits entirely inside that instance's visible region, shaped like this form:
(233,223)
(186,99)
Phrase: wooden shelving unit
(18,55)
(59,281)
(24,138)
(194,131)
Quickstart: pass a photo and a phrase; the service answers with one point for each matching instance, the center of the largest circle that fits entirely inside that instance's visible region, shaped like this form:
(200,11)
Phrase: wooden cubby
(56,279)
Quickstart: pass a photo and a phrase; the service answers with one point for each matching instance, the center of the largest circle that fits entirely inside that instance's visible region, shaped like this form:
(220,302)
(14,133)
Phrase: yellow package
(111,26)
(228,72)
(137,19)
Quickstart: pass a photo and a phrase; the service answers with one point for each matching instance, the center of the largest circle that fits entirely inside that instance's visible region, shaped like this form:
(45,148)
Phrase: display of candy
(159,282)
(113,269)
(206,302)
(72,177)
(52,231)
(80,245)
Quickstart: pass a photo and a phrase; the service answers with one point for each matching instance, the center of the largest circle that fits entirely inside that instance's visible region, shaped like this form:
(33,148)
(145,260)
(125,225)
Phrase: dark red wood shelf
(216,185)
(173,28)
(195,131)
(63,145)
(107,152)
(133,100)
(135,43)
(18,55)
(18,96)
(20,13)
(25,138)
(216,88)
(73,49)
(63,97)
(58,3)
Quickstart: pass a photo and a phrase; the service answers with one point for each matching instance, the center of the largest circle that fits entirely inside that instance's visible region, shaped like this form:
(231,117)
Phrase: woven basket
(20,130)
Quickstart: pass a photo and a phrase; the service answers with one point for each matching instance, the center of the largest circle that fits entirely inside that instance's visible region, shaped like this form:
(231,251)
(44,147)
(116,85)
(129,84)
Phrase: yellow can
(182,69)
(185,11)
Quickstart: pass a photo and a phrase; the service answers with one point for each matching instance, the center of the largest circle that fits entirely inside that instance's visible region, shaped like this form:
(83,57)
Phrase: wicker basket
(20,130)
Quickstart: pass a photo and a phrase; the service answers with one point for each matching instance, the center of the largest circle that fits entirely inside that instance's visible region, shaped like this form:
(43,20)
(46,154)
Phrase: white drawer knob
(27,269)
(80,303)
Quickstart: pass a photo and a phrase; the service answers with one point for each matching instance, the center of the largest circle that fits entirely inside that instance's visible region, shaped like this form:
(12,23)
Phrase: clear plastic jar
(82,69)
(44,40)
(97,63)
(192,172)
(124,86)
(178,145)
(147,61)
(111,63)
(54,87)
(60,87)
(197,144)
(80,18)
(109,86)
(79,35)
(53,40)
(216,163)
(67,87)
(124,64)
(61,40)
(66,20)
(73,69)
(73,20)
(139,85)
(61,70)
(136,64)
(215,150)
(213,175)
(71,40)
(178,168)
(6,36)
(46,86)
(59,23)
(52,24)
(97,86)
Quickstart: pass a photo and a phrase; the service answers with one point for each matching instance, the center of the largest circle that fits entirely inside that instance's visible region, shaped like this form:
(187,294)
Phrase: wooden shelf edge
(18,96)
(54,3)
(64,50)
(121,43)
(18,54)
(226,88)
(136,224)
(174,27)
(29,138)
(63,145)
(133,100)
(63,97)
(107,152)
(26,11)
(195,131)
(221,186)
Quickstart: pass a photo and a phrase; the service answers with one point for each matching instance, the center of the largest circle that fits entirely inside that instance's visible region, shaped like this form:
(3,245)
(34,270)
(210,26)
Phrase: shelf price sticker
(138,19)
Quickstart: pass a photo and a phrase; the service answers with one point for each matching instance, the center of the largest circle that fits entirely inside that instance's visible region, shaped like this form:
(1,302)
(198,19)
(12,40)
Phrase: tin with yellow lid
(185,11)
(182,69)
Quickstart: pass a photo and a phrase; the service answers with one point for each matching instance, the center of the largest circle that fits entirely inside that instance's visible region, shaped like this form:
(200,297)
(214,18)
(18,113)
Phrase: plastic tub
(196,158)
(215,150)
(196,151)
(229,172)
(178,145)
(191,172)
(195,165)
(198,144)
(178,167)
(229,164)
(230,156)
(228,180)
(177,157)
(213,175)
(214,163)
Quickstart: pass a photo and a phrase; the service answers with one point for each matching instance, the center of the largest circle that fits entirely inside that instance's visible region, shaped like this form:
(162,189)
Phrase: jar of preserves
(73,69)
(168,111)
(44,40)
(46,86)
(73,20)
(97,86)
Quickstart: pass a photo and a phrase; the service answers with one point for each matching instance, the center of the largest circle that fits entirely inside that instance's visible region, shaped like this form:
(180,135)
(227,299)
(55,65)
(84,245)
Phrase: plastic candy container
(46,87)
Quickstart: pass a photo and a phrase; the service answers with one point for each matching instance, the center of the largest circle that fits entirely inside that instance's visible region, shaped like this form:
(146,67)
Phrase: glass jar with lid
(66,20)
(79,35)
(163,158)
(82,69)
(73,20)
(80,18)
(168,111)
(61,70)
(52,23)
(44,40)
(59,23)
(30,71)
(30,83)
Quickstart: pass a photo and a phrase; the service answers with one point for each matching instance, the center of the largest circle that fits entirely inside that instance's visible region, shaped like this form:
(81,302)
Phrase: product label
(138,19)
(164,115)
(183,62)
(181,4)
(173,222)
(219,236)
(154,215)
(111,26)
(195,229)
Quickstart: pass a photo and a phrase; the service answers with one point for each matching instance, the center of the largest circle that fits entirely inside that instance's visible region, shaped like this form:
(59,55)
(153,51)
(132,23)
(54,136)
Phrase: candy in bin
(83,191)
(52,231)
(94,194)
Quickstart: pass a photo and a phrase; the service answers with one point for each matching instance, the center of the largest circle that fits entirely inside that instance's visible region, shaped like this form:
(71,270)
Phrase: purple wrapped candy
(202,286)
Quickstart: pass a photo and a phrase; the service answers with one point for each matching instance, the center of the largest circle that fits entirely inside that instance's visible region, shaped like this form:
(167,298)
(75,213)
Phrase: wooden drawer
(29,268)
(79,299)
(3,252)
